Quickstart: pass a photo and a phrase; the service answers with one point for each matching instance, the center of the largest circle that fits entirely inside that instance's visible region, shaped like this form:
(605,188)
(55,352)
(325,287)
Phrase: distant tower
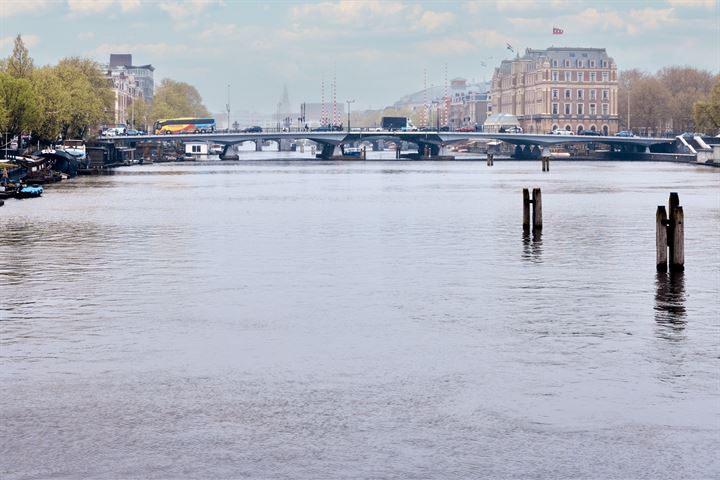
(284,107)
(323,120)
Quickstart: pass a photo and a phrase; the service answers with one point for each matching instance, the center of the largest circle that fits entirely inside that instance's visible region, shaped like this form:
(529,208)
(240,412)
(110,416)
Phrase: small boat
(29,191)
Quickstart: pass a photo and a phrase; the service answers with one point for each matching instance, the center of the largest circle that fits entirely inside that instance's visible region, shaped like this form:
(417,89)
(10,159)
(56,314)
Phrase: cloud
(86,35)
(447,46)
(28,40)
(433,20)
(632,22)
(90,7)
(709,4)
(489,38)
(8,8)
(159,50)
(187,9)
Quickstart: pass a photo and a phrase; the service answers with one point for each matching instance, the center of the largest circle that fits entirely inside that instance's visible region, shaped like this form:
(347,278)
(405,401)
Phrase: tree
(686,86)
(91,98)
(19,64)
(140,113)
(54,103)
(174,99)
(651,102)
(626,96)
(707,113)
(19,103)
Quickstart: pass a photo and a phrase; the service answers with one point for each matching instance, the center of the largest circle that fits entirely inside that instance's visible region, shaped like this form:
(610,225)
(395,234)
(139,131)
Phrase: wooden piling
(537,209)
(673,201)
(661,238)
(545,164)
(526,210)
(490,159)
(677,247)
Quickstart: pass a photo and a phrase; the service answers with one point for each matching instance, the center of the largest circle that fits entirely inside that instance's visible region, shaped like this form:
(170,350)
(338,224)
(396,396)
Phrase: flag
(557,31)
(509,47)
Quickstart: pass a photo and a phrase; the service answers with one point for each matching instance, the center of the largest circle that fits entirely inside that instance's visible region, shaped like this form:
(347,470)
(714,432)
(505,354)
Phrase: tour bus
(184,125)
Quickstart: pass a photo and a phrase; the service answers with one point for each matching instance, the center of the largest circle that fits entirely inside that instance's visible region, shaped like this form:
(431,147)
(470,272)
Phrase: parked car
(591,132)
(253,129)
(562,132)
(132,131)
(465,129)
(624,133)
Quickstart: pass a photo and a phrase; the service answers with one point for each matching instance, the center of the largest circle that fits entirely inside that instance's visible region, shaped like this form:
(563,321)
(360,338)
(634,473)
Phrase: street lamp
(348,103)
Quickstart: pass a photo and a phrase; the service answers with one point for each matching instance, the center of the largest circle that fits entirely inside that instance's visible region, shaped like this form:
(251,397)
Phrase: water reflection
(532,246)
(670,309)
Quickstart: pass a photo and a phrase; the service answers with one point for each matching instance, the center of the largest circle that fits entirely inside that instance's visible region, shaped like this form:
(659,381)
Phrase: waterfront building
(468,105)
(558,88)
(129,82)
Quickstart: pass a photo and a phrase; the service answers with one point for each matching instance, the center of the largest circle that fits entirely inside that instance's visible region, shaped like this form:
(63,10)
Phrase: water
(359,320)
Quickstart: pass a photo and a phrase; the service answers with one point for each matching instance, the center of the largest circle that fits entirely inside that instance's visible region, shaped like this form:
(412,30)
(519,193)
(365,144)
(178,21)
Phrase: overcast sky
(378,49)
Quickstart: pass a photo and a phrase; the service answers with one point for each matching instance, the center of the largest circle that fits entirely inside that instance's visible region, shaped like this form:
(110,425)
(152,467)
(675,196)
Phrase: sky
(378,50)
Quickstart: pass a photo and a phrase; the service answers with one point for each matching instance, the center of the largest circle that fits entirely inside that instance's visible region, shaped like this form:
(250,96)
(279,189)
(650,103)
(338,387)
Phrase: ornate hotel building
(559,88)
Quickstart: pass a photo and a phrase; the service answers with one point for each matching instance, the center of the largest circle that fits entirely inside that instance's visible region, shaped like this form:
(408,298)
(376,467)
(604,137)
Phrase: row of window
(579,63)
(580,109)
(580,76)
(580,94)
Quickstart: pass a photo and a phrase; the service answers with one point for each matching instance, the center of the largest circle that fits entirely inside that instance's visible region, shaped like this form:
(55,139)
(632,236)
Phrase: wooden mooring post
(536,202)
(490,159)
(670,236)
(545,164)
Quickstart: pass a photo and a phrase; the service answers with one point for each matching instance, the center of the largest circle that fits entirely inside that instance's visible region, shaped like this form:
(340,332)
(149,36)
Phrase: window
(593,77)
(195,148)
(579,63)
(580,94)
(606,109)
(568,109)
(605,76)
(592,63)
(554,63)
(555,108)
(604,64)
(593,109)
(581,76)
(606,95)
(593,94)
(568,76)
(555,76)
(580,108)
(555,94)
(568,93)
(567,62)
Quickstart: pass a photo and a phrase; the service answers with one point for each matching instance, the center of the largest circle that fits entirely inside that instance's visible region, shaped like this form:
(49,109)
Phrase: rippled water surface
(308,320)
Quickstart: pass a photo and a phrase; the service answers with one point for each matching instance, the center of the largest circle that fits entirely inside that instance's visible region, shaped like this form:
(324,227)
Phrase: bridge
(430,144)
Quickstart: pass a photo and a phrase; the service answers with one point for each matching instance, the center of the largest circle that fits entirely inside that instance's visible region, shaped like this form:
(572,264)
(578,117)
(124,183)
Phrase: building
(558,88)
(468,105)
(129,83)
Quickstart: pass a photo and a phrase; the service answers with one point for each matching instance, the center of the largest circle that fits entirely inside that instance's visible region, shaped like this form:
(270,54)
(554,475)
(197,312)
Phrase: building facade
(129,82)
(559,88)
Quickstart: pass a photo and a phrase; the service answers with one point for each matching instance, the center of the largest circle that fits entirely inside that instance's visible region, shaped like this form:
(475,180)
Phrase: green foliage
(54,103)
(140,113)
(19,104)
(91,100)
(19,64)
(707,113)
(176,99)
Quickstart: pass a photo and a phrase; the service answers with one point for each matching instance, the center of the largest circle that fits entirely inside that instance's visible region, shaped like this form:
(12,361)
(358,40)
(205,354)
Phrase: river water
(319,320)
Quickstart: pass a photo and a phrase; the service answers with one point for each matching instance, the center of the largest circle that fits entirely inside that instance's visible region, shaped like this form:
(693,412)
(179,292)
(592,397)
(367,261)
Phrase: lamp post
(348,104)
(227,107)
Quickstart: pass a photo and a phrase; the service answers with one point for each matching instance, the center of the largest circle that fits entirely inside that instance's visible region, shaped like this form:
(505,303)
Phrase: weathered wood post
(661,229)
(673,201)
(490,159)
(677,247)
(526,210)
(537,209)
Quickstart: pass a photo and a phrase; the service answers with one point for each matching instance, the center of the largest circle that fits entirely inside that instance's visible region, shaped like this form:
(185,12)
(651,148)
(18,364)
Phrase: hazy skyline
(379,50)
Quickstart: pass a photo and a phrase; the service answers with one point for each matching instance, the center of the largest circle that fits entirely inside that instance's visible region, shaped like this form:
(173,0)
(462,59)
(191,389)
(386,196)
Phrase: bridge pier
(258,145)
(229,153)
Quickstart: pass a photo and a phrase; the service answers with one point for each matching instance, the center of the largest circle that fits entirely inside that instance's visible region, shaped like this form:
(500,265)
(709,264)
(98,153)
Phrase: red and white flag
(557,31)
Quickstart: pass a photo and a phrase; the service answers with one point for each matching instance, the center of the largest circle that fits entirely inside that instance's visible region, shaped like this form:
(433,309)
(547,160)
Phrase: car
(465,129)
(624,133)
(253,129)
(562,132)
(591,132)
(132,131)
